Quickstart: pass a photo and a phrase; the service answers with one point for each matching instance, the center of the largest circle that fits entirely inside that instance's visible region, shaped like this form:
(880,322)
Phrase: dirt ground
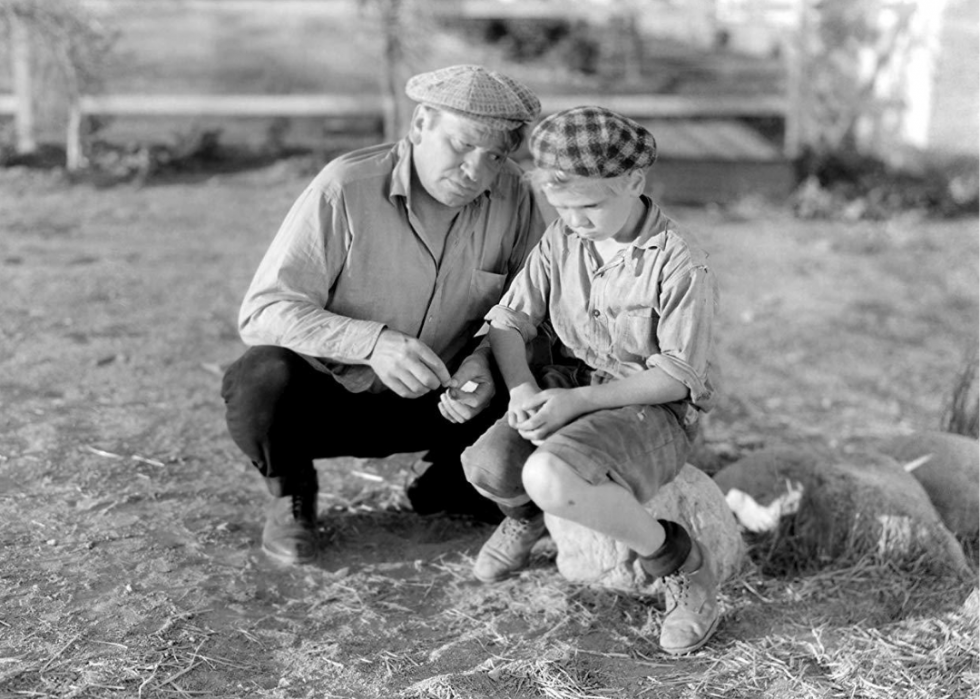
(129,522)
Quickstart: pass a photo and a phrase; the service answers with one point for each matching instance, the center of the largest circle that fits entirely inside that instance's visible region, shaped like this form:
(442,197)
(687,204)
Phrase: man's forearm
(309,330)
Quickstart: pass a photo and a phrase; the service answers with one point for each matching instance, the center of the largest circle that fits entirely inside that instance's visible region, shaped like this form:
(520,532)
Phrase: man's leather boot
(289,535)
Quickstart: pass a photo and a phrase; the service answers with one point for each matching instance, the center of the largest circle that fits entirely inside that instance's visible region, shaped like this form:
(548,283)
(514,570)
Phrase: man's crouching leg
(266,415)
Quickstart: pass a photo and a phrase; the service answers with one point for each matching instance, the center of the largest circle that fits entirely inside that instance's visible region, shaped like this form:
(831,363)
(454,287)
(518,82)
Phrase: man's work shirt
(652,305)
(349,261)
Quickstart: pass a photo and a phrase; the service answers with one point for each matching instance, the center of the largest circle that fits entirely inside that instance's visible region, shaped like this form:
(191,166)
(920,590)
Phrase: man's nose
(474,166)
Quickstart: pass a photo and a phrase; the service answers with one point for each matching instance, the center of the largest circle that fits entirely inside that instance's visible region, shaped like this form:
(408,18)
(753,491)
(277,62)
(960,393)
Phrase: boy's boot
(289,535)
(508,549)
(692,604)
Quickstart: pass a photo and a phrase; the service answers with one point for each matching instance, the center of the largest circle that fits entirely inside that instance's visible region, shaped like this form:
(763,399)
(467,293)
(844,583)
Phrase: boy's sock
(671,554)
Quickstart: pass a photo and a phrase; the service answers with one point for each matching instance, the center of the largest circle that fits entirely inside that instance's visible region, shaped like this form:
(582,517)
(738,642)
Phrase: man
(363,313)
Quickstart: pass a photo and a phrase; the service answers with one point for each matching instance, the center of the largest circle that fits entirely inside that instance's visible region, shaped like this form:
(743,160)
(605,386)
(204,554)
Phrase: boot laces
(301,507)
(514,530)
(678,584)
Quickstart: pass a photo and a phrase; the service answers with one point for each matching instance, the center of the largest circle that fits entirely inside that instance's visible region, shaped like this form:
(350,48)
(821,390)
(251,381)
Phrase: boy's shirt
(652,305)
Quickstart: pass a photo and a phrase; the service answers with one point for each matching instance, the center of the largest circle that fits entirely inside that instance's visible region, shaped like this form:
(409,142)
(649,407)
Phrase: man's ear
(417,124)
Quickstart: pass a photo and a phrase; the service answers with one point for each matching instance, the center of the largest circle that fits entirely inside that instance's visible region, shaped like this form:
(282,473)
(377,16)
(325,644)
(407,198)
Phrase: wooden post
(75,139)
(24,122)
(795,57)
(394,105)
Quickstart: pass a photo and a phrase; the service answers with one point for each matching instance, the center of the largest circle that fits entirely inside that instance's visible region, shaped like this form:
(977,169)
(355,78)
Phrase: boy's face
(595,213)
(455,158)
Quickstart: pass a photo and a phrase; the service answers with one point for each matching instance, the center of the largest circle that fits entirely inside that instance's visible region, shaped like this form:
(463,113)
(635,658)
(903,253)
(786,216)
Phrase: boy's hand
(407,366)
(521,397)
(550,411)
(470,390)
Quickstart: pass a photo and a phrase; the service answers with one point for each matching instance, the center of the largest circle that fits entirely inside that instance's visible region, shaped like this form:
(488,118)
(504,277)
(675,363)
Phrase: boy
(599,430)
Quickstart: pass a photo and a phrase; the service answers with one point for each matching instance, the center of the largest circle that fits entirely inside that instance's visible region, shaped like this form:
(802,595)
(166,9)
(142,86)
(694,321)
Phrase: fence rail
(703,108)
(338,105)
(327,105)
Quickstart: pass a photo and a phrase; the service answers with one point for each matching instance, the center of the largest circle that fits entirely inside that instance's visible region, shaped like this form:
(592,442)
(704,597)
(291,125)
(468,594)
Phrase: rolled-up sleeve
(286,301)
(504,318)
(525,304)
(685,332)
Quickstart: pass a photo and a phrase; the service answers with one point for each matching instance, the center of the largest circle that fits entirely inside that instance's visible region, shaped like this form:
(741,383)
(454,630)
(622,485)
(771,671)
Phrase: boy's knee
(487,473)
(493,464)
(545,478)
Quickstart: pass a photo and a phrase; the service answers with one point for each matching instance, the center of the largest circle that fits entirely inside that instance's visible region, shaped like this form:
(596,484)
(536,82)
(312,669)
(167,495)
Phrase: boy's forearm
(511,356)
(650,387)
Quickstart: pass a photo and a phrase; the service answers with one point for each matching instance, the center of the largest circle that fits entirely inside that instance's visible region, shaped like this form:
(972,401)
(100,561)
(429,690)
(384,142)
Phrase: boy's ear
(637,182)
(417,124)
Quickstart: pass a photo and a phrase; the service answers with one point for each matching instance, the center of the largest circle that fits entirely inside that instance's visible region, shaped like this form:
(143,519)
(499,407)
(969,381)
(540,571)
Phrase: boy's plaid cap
(591,142)
(483,95)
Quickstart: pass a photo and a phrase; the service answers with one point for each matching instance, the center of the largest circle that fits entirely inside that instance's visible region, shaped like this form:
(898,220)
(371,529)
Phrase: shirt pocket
(486,288)
(635,334)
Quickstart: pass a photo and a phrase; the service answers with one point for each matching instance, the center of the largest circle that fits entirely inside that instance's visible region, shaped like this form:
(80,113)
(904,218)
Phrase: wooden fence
(651,107)
(20,106)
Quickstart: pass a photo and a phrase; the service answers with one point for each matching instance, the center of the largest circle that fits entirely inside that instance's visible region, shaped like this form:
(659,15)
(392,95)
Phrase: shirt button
(595,313)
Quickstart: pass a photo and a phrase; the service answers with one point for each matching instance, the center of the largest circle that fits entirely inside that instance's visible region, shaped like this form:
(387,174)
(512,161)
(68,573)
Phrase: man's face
(594,213)
(455,158)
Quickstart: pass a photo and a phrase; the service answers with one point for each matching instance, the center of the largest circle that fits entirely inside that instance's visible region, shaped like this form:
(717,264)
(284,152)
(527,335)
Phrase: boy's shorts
(640,447)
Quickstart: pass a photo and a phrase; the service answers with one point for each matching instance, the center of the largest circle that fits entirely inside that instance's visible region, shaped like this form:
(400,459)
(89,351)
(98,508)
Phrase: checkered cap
(591,142)
(475,92)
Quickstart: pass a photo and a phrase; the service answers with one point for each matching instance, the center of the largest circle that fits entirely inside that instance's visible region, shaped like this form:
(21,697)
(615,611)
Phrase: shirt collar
(401,173)
(653,226)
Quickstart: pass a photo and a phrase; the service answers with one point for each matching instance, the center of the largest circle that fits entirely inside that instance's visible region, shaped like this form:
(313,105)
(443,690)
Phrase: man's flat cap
(483,95)
(591,142)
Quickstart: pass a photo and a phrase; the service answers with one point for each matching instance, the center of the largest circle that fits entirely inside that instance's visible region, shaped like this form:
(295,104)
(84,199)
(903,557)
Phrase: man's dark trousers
(283,413)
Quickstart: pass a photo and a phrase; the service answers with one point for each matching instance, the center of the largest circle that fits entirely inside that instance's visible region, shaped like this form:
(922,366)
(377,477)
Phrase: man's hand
(407,366)
(547,412)
(459,403)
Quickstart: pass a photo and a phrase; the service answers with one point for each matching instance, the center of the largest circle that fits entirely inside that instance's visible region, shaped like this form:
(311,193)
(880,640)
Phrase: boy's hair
(542,177)
(512,138)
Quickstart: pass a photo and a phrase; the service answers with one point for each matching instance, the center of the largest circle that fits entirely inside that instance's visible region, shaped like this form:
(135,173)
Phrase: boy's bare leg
(608,508)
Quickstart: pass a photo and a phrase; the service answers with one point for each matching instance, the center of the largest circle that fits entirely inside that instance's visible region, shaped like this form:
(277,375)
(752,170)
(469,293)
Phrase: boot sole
(695,646)
(495,579)
(287,559)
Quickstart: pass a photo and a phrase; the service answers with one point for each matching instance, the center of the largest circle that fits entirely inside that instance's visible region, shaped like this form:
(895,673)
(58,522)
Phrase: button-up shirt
(352,258)
(652,305)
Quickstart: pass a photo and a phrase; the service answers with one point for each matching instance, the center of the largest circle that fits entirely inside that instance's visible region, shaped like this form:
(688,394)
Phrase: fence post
(795,49)
(24,122)
(75,138)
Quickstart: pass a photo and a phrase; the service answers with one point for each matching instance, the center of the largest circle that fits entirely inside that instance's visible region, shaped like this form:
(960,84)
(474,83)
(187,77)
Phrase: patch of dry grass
(557,674)
(922,654)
